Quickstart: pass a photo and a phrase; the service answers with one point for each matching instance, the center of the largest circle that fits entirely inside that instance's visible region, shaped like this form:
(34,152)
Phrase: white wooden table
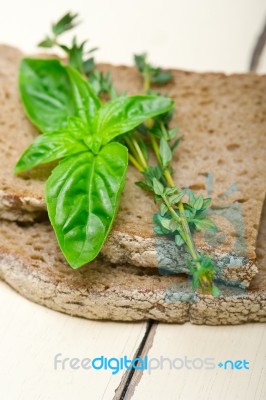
(199,35)
(31,336)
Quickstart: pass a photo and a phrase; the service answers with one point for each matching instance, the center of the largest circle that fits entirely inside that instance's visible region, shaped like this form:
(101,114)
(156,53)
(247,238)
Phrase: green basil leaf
(77,128)
(46,93)
(82,196)
(47,148)
(86,102)
(125,113)
(52,92)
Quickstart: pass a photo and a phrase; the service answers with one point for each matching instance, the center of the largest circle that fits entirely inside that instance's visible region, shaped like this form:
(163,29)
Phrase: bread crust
(31,263)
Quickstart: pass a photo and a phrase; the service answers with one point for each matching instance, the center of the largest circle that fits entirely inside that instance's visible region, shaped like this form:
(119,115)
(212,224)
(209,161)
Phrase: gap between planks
(132,377)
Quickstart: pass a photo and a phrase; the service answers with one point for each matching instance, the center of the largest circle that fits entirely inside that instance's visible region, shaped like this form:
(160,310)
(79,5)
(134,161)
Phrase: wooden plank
(31,336)
(221,343)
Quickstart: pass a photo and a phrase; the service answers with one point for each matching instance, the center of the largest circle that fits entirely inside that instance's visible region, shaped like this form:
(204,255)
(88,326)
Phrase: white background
(191,34)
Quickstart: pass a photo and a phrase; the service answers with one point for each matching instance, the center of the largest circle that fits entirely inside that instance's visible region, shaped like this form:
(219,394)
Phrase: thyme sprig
(150,73)
(181,211)
(64,24)
(78,56)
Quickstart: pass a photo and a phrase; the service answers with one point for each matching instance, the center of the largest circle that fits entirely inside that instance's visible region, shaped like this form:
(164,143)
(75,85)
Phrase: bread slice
(222,119)
(30,262)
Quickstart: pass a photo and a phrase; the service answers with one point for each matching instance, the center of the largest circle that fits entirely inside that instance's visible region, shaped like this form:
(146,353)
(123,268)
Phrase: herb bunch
(93,142)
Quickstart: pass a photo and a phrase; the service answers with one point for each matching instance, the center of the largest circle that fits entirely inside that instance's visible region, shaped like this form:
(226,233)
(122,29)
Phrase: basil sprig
(83,191)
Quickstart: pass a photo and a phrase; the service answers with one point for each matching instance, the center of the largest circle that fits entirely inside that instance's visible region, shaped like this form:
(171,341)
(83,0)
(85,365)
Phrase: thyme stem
(135,163)
(140,154)
(155,147)
(129,143)
(163,130)
(147,80)
(187,234)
